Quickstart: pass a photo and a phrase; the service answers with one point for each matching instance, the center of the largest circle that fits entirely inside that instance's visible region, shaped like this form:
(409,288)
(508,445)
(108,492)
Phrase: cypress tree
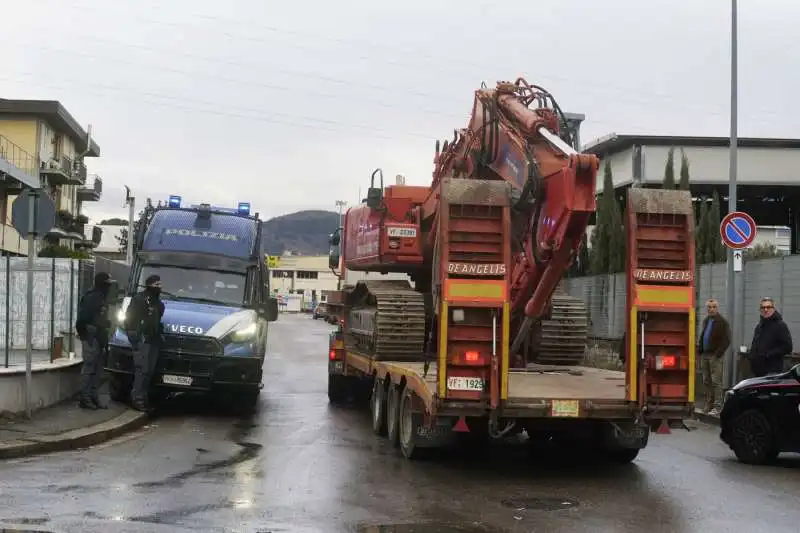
(669,170)
(701,233)
(608,239)
(716,250)
(684,182)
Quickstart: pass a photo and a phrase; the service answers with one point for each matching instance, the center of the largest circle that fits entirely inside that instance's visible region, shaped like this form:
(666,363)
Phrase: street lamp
(734,310)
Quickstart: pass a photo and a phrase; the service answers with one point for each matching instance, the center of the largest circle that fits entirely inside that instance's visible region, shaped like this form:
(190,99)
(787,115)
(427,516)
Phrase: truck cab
(216,297)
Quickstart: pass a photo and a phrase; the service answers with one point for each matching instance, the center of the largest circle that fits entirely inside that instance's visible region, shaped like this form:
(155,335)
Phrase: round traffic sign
(738,230)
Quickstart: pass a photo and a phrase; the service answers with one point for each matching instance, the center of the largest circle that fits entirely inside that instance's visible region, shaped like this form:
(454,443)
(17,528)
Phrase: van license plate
(186,381)
(464,383)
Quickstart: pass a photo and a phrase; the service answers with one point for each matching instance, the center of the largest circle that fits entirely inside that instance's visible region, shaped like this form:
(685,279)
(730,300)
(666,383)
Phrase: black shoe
(99,404)
(139,406)
(86,404)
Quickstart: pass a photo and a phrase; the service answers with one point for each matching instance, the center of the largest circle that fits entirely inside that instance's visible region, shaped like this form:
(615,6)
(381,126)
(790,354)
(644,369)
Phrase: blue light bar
(244,208)
(174,200)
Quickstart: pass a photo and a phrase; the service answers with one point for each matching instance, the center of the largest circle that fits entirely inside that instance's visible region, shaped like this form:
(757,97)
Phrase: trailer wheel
(378,407)
(338,389)
(622,456)
(393,414)
(408,427)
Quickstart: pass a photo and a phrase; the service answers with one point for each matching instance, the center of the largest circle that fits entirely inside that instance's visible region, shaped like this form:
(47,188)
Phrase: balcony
(17,164)
(68,226)
(92,190)
(63,171)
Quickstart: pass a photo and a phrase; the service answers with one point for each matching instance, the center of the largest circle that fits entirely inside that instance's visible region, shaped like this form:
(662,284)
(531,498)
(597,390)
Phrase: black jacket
(772,341)
(143,318)
(92,322)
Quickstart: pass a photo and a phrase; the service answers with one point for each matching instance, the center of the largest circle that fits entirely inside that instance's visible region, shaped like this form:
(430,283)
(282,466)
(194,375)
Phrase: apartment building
(42,145)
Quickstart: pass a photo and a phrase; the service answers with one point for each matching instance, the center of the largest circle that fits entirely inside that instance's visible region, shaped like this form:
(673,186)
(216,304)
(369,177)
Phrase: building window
(306,274)
(281,274)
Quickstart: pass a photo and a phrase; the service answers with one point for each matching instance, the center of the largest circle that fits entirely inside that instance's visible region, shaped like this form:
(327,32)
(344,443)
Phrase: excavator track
(563,336)
(386,320)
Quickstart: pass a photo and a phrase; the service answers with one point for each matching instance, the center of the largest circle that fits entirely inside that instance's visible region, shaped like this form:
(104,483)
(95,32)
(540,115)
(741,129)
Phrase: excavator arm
(513,135)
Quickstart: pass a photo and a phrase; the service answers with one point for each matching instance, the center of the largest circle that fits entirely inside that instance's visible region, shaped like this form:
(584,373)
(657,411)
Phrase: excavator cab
(374,197)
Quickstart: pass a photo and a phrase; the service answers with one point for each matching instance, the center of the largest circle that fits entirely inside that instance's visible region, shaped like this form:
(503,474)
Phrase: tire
(338,389)
(393,414)
(752,438)
(119,387)
(408,424)
(248,402)
(622,456)
(378,407)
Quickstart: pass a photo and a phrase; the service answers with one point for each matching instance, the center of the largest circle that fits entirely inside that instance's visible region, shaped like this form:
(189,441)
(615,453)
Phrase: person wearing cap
(143,327)
(93,327)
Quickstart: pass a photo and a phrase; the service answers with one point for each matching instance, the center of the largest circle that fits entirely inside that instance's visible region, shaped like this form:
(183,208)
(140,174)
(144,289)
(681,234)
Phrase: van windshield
(210,286)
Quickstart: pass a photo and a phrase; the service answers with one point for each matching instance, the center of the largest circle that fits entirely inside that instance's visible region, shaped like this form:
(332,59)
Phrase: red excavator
(481,341)
(514,138)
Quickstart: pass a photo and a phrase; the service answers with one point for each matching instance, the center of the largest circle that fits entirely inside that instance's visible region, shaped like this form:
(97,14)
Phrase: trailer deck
(570,391)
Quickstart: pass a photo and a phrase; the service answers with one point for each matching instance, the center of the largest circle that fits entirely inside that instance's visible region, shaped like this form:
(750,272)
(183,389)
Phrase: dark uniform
(143,327)
(772,341)
(93,327)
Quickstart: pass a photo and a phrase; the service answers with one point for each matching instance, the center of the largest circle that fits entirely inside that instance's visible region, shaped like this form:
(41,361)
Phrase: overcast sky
(291,105)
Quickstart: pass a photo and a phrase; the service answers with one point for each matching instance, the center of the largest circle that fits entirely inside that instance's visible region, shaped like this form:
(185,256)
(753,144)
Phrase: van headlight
(120,316)
(244,334)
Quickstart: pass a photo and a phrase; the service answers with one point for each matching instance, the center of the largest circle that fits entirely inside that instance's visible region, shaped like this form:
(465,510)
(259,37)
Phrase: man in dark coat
(772,341)
(143,327)
(713,341)
(93,327)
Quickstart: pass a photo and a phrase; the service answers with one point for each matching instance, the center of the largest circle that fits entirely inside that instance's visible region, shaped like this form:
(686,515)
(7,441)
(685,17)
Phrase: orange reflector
(472,356)
(665,361)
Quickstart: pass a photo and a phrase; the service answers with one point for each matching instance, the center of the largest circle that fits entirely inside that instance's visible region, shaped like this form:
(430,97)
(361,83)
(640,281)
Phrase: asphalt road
(302,466)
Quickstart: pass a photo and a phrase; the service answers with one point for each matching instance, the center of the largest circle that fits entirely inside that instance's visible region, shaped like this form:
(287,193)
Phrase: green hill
(304,232)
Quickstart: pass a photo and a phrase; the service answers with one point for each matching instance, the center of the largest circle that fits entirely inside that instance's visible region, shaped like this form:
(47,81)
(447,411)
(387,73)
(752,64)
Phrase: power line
(314,123)
(440,67)
(681,102)
(299,88)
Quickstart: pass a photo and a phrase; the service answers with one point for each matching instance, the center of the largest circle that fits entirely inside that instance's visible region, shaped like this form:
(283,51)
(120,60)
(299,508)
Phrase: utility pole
(341,204)
(733,307)
(130,201)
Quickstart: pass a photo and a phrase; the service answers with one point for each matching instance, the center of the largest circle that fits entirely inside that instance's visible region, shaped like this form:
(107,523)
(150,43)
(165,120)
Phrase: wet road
(300,466)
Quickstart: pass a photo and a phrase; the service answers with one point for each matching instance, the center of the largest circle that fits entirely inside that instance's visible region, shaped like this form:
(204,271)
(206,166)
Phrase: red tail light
(472,356)
(666,362)
(332,355)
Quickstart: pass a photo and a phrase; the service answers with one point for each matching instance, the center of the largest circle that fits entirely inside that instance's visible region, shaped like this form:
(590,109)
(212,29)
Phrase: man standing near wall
(772,341)
(715,337)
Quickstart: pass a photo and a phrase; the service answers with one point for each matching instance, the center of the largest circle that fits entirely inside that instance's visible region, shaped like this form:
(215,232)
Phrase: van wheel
(378,407)
(119,387)
(752,438)
(622,456)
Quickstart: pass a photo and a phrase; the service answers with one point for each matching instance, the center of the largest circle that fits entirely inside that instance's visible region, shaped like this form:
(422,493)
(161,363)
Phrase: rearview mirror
(271,310)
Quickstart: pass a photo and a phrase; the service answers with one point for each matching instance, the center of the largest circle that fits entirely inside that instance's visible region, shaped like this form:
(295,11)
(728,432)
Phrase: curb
(707,419)
(76,438)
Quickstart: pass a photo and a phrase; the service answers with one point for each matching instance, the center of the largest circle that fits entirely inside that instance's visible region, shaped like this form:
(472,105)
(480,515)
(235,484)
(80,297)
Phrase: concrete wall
(51,384)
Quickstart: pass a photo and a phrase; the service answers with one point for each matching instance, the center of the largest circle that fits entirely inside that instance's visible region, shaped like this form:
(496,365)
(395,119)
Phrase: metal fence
(778,278)
(57,287)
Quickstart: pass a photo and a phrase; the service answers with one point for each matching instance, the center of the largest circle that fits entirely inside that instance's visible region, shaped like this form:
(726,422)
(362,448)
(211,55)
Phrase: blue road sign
(738,230)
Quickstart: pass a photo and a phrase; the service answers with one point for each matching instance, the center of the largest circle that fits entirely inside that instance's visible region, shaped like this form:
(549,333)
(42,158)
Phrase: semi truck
(217,302)
(482,341)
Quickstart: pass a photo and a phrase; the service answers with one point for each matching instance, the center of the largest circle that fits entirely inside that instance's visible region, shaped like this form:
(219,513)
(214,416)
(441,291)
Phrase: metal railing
(18,157)
(58,287)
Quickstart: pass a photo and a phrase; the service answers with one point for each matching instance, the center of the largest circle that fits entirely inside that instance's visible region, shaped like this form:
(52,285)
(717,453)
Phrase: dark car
(761,417)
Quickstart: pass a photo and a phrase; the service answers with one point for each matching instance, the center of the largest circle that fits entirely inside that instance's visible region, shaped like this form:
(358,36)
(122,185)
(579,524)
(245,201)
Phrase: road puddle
(427,527)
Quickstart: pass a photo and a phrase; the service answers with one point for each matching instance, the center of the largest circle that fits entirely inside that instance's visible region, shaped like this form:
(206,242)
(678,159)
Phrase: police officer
(143,327)
(93,327)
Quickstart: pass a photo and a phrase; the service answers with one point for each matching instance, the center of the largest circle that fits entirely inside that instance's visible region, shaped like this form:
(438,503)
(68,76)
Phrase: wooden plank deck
(576,383)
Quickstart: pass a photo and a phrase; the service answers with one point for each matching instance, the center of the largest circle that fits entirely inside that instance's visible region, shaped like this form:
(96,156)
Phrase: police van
(216,297)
